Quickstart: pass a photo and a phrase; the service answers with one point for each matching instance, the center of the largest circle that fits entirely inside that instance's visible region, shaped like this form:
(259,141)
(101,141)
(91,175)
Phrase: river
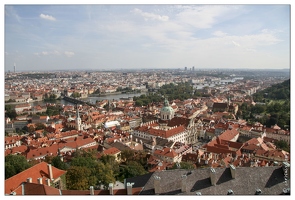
(91,99)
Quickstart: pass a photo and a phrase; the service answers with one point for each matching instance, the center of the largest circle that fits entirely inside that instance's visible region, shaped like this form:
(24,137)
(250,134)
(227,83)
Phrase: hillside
(279,91)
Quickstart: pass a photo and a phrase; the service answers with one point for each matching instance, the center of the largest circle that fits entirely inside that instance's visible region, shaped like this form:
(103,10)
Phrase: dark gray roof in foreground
(270,180)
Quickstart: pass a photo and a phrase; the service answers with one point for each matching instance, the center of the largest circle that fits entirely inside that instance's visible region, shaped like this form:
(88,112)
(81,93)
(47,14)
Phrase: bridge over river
(77,101)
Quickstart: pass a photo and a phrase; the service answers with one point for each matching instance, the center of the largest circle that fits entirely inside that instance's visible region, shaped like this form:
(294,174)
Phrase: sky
(132,36)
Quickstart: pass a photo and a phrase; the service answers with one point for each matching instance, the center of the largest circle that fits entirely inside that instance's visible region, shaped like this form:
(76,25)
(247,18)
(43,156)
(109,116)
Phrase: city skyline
(128,36)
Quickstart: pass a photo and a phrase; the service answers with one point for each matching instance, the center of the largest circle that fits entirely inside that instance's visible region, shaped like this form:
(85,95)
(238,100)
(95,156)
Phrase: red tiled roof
(41,152)
(111,151)
(168,152)
(228,134)
(167,133)
(38,189)
(12,139)
(20,149)
(37,171)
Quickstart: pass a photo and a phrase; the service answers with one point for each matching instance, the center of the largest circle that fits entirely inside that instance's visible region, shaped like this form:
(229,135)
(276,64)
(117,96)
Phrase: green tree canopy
(56,162)
(132,169)
(10,112)
(80,178)
(111,160)
(127,155)
(15,164)
(105,174)
(281,144)
(40,126)
(75,94)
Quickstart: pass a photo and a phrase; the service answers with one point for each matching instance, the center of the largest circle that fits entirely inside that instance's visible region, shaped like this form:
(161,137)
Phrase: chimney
(286,191)
(157,187)
(213,176)
(50,171)
(129,188)
(183,183)
(258,192)
(48,181)
(39,180)
(91,190)
(111,188)
(232,171)
(29,180)
(230,192)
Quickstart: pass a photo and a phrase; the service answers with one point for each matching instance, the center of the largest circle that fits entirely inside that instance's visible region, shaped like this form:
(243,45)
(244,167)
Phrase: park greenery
(170,91)
(10,111)
(50,97)
(127,90)
(272,106)
(75,95)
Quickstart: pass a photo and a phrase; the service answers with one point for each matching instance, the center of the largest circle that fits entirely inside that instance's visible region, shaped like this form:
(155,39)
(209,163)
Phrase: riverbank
(104,94)
(90,99)
(112,93)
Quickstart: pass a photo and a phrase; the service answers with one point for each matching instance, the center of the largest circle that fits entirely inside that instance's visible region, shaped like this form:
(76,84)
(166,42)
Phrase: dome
(167,111)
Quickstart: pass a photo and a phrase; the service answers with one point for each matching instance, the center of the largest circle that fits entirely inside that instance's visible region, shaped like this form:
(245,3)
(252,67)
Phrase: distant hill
(279,91)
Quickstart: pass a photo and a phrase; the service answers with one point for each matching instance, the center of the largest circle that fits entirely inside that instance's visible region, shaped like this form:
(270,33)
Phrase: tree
(281,144)
(31,129)
(127,155)
(139,103)
(82,158)
(79,178)
(15,164)
(88,162)
(105,174)
(75,94)
(40,126)
(10,112)
(132,169)
(111,160)
(56,162)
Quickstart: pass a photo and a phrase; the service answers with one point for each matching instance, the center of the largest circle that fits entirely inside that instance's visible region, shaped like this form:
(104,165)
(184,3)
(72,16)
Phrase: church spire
(78,120)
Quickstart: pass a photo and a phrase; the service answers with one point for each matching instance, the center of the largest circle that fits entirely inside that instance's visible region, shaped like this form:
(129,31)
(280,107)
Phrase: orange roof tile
(168,152)
(111,151)
(37,171)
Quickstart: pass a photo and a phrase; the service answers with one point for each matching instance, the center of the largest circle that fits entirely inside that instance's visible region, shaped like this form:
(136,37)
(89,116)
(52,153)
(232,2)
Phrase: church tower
(78,120)
(167,112)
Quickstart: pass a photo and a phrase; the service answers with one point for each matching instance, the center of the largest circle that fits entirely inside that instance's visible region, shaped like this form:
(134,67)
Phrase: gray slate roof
(270,180)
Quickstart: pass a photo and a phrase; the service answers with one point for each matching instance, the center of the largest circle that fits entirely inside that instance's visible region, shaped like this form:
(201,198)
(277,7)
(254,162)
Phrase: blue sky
(62,37)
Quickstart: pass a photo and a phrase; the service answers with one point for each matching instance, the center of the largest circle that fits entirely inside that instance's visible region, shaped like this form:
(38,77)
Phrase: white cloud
(47,53)
(47,17)
(151,16)
(69,53)
(201,17)
(236,44)
(219,34)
